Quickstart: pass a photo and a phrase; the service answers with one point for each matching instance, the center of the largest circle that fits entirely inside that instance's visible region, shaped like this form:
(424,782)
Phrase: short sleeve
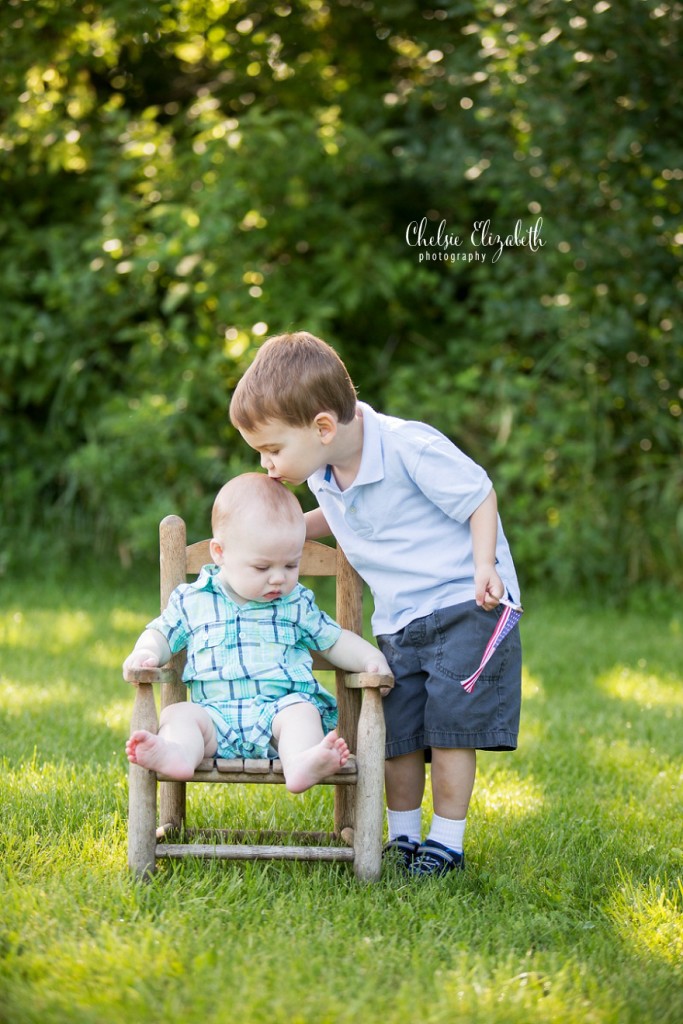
(172,623)
(450,479)
(316,629)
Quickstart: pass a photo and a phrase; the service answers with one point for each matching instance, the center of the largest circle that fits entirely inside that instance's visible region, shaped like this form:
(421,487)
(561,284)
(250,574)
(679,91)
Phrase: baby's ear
(216,551)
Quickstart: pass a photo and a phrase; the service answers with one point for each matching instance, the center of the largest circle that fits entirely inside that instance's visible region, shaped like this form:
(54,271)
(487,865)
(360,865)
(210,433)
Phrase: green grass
(571,908)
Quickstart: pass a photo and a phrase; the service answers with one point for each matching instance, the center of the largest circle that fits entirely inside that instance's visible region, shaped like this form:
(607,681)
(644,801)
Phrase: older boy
(418,520)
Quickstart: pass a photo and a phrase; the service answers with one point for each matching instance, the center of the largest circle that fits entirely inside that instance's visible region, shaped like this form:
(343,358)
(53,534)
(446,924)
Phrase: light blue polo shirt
(404,521)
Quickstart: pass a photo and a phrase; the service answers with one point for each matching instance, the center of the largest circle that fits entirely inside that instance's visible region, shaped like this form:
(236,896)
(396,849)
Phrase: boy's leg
(453,773)
(404,779)
(404,773)
(186,736)
(307,755)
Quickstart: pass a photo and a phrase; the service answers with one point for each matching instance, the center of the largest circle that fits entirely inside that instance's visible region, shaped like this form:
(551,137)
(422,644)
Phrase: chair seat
(238,769)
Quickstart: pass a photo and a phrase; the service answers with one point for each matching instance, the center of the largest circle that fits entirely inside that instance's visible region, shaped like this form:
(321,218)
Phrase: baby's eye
(294,565)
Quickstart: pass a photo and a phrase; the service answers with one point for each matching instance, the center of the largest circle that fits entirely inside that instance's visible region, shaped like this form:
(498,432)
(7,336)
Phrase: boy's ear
(216,550)
(326,425)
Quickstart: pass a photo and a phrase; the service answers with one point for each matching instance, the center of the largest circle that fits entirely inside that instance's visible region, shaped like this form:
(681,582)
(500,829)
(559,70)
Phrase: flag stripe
(506,623)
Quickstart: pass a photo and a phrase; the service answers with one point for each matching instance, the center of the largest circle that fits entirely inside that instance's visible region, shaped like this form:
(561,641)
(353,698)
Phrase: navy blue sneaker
(401,850)
(435,859)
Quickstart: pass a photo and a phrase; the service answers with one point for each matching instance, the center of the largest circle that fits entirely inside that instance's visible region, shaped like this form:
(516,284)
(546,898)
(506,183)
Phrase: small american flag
(508,620)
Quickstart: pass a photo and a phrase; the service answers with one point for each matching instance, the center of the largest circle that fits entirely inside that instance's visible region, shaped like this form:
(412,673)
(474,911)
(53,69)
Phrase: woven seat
(359,785)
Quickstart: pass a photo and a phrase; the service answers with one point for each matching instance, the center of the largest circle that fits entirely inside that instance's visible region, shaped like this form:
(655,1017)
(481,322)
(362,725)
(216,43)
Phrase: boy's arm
(355,654)
(150,651)
(488,586)
(316,525)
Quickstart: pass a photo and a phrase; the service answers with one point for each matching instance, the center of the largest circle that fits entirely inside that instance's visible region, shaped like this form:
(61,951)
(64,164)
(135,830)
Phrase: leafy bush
(181,179)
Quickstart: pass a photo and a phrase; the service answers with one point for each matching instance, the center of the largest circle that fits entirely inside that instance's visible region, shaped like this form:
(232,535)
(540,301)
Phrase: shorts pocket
(462,635)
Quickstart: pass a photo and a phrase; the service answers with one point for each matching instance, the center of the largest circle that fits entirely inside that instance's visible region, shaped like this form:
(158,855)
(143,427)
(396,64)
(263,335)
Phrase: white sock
(405,823)
(448,831)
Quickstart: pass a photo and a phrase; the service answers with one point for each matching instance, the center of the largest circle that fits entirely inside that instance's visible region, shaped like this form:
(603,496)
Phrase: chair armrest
(367,680)
(151,675)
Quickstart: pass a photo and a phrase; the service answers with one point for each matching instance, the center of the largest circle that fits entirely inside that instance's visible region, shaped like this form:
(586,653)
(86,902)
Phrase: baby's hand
(379,665)
(141,657)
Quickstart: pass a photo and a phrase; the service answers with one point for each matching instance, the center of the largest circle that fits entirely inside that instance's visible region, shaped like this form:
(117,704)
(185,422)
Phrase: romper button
(352,510)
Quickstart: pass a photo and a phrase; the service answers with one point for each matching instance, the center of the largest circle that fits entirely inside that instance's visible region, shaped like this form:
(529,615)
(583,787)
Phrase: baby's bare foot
(155,753)
(316,763)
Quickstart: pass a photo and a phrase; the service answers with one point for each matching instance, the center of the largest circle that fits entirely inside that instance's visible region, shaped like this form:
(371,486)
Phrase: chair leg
(142,820)
(172,795)
(142,793)
(369,789)
(172,800)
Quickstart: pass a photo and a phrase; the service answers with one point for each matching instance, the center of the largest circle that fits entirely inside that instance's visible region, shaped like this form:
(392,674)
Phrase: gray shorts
(428,707)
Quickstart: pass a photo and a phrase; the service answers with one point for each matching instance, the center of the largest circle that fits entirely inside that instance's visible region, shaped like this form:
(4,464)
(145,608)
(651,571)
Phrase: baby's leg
(307,755)
(186,736)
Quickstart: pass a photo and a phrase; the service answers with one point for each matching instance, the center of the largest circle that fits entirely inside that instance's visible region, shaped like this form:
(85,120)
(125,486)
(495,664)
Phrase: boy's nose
(266,461)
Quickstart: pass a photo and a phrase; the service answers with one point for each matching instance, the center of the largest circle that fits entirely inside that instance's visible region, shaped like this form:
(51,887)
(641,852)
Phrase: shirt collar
(209,579)
(371,467)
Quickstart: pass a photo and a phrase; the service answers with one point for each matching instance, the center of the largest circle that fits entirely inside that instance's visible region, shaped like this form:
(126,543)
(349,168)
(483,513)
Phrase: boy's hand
(488,587)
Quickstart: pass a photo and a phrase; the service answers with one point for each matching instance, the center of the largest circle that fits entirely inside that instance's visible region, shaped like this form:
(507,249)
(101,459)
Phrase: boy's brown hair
(254,495)
(293,378)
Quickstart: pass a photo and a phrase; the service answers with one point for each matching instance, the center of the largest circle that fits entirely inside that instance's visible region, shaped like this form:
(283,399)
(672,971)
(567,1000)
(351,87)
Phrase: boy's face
(263,564)
(288,453)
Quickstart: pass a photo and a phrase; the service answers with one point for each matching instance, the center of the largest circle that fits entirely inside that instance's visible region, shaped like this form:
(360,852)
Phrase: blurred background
(180,179)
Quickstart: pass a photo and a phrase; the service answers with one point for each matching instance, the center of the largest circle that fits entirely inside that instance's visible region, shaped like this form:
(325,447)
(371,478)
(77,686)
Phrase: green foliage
(182,178)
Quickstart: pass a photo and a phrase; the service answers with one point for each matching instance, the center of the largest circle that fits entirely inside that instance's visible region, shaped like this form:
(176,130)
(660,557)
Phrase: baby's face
(262,565)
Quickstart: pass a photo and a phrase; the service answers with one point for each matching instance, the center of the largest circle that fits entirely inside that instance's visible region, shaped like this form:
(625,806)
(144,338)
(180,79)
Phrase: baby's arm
(354,654)
(488,586)
(150,651)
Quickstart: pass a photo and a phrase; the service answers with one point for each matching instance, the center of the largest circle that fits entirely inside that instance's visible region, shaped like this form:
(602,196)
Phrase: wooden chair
(359,785)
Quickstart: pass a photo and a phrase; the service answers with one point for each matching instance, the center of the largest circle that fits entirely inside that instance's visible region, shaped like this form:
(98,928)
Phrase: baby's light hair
(254,497)
(293,378)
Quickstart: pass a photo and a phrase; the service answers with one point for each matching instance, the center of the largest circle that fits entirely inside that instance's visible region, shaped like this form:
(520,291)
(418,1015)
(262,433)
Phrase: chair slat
(220,851)
(256,770)
(317,559)
(198,555)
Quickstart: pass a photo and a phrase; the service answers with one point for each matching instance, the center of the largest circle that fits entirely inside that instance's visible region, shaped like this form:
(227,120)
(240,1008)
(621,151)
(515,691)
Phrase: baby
(248,626)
